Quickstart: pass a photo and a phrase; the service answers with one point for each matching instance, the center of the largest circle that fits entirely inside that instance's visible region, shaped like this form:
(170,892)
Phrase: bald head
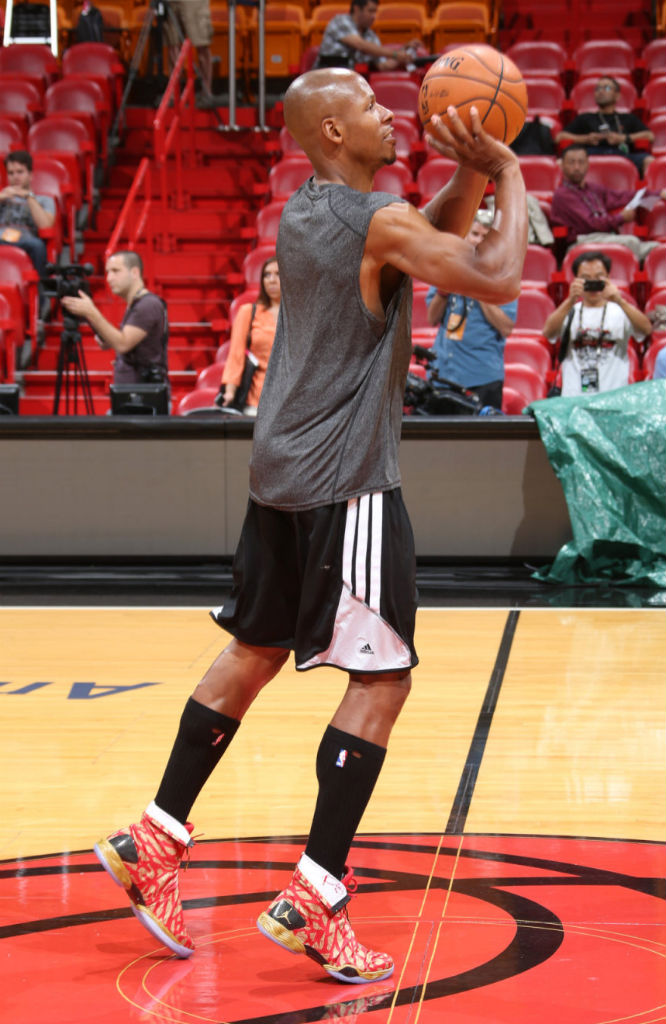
(315,96)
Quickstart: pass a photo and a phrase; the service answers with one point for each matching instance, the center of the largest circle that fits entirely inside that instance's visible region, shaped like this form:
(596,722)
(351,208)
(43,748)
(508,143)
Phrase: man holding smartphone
(593,326)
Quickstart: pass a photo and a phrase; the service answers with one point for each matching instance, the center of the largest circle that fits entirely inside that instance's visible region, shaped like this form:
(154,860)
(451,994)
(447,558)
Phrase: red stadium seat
(409,145)
(530,351)
(456,23)
(582,94)
(10,333)
(211,377)
(653,97)
(544,96)
(657,125)
(12,136)
(95,60)
(654,56)
(533,309)
(249,295)
(433,175)
(541,174)
(253,263)
(424,336)
(50,177)
(288,144)
(655,267)
(198,400)
(657,298)
(67,140)
(18,276)
(656,223)
(268,221)
(655,175)
(538,58)
(539,267)
(602,57)
(9,77)
(419,307)
(399,95)
(513,402)
(20,101)
(525,380)
(397,22)
(32,59)
(222,353)
(397,179)
(614,172)
(82,100)
(287,175)
(650,357)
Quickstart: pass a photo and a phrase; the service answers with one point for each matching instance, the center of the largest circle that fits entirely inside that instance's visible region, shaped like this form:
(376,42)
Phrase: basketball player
(325,564)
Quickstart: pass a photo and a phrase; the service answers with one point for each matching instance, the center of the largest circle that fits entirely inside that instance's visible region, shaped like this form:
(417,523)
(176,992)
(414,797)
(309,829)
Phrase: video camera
(61,281)
(438,396)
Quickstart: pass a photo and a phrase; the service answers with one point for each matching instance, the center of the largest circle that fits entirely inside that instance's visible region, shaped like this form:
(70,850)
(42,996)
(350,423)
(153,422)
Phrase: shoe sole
(115,867)
(281,936)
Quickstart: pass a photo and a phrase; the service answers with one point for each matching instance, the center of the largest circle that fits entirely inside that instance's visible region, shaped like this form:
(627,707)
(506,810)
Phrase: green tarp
(609,454)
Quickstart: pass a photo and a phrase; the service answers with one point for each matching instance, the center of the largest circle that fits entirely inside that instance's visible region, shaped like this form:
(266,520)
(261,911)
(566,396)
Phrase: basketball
(480,76)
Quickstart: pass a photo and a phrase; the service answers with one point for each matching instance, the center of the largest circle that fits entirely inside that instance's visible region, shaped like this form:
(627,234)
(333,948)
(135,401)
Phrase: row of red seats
(63,122)
(545,58)
(542,176)
(528,367)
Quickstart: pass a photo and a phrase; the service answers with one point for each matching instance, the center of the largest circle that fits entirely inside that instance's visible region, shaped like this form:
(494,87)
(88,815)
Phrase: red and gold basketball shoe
(144,859)
(310,916)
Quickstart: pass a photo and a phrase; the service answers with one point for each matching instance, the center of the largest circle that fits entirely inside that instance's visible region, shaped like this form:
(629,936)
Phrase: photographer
(469,346)
(593,326)
(141,340)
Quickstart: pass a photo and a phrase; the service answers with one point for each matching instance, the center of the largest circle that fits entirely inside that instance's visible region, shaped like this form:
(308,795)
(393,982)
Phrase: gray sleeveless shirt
(330,413)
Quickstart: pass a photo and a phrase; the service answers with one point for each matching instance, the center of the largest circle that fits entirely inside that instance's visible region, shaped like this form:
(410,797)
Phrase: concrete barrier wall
(86,487)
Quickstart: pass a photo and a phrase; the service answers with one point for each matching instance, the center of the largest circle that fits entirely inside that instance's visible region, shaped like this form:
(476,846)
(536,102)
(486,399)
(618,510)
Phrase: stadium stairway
(197,267)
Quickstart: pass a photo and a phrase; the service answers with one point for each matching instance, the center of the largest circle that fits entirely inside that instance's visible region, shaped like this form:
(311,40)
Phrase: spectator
(141,340)
(349,40)
(194,19)
(606,132)
(258,321)
(23,214)
(587,210)
(659,371)
(469,345)
(593,325)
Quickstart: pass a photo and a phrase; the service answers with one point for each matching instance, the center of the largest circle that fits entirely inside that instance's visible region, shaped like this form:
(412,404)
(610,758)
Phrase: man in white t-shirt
(593,325)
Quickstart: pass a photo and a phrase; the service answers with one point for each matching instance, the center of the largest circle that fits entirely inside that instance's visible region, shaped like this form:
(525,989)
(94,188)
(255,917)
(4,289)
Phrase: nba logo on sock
(342,757)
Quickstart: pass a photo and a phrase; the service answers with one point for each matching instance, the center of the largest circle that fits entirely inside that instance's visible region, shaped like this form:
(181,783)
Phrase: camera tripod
(72,370)
(160,12)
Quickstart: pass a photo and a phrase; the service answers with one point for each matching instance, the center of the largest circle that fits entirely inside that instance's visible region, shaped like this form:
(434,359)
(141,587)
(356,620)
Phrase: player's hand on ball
(474,149)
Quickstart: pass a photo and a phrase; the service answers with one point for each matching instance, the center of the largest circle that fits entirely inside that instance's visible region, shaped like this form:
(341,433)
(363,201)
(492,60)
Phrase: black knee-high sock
(203,736)
(347,770)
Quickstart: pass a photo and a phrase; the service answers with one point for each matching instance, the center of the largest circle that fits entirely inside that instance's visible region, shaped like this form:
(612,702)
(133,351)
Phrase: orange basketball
(480,76)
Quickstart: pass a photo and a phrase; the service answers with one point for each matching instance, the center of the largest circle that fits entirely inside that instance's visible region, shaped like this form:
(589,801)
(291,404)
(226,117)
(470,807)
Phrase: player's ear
(331,130)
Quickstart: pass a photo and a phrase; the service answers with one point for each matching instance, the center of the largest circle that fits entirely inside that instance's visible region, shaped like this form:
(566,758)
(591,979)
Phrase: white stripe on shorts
(362,551)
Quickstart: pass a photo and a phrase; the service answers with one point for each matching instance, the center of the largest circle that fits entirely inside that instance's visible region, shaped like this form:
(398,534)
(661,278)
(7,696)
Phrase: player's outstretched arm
(480,157)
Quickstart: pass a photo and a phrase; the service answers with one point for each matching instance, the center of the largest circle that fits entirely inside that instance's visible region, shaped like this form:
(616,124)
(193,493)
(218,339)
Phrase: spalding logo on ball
(478,76)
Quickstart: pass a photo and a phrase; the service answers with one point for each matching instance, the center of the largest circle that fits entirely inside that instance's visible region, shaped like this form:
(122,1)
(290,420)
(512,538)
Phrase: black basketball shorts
(335,584)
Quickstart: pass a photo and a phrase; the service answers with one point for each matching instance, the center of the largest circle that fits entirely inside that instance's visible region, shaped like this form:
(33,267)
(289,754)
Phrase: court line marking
(465,791)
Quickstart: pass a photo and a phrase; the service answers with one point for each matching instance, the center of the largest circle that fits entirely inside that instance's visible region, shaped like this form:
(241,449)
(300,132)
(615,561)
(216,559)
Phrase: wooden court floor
(512,858)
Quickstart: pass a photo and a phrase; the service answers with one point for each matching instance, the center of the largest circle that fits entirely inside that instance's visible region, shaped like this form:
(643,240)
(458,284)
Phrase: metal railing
(144,217)
(134,221)
(174,121)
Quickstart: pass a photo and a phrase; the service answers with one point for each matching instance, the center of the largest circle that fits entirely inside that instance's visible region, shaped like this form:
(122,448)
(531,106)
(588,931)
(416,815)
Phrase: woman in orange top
(262,332)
